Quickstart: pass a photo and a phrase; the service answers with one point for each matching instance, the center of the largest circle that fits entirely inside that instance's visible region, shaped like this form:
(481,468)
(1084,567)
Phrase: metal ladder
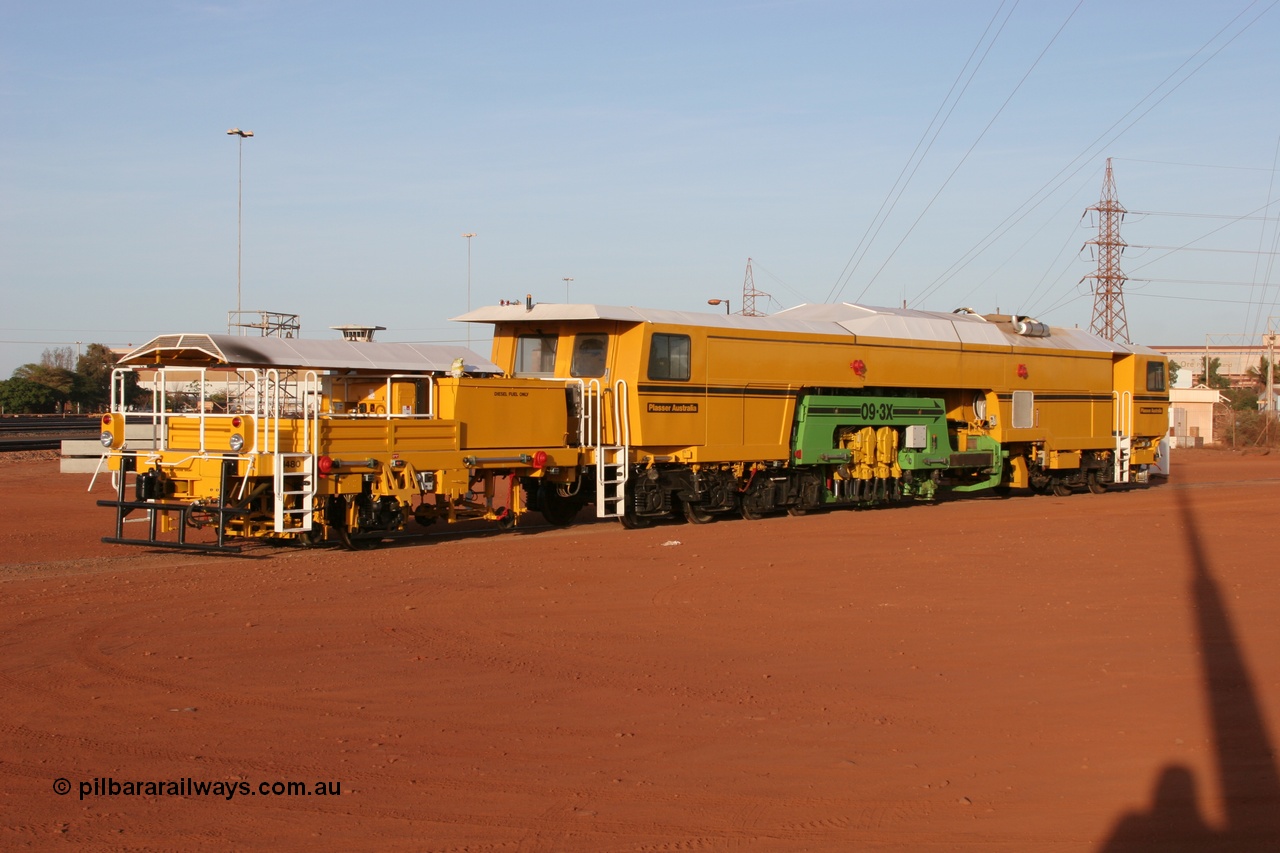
(297,518)
(296,480)
(612,460)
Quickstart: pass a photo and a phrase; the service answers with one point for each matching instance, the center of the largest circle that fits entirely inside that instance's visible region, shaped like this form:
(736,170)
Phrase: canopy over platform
(201,350)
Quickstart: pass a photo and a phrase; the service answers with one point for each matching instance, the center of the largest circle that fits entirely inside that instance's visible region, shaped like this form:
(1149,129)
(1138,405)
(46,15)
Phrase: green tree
(1213,375)
(1242,399)
(19,396)
(93,371)
(1263,373)
(60,381)
(1174,367)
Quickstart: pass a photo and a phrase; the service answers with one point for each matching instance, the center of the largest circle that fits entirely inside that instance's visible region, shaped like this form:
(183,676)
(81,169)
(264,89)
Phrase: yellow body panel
(507,413)
(739,400)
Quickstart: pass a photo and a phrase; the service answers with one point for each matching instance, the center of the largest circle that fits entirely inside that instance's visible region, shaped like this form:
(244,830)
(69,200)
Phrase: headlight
(237,442)
(107,439)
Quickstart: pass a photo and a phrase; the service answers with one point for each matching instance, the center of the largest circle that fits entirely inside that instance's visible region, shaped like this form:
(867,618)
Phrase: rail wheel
(1060,488)
(312,538)
(644,494)
(756,500)
(558,510)
(359,541)
(631,521)
(695,514)
(1095,484)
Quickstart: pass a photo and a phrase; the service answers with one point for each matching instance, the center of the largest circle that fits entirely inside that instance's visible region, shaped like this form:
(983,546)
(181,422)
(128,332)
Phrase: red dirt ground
(1030,674)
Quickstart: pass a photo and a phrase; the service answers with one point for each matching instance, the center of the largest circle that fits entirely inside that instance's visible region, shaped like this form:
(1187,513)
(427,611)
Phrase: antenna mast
(749,294)
(1108,282)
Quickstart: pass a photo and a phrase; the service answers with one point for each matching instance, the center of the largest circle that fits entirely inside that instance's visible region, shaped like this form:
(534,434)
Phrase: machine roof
(203,350)
(963,327)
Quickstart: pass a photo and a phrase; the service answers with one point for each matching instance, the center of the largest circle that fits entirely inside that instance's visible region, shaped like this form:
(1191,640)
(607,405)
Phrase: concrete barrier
(82,455)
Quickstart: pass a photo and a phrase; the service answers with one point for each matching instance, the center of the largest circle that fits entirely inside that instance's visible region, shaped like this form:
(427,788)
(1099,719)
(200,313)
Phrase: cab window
(589,353)
(669,357)
(536,355)
(1155,375)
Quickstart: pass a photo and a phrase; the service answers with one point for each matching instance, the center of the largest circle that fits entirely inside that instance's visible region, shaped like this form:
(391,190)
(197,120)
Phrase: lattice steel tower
(749,294)
(1108,282)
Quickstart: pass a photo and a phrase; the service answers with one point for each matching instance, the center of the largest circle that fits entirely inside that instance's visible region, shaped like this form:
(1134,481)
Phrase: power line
(1200,281)
(802,297)
(900,185)
(1204,236)
(971,149)
(1262,309)
(1194,165)
(1042,285)
(1203,249)
(1036,199)
(1203,215)
(1213,299)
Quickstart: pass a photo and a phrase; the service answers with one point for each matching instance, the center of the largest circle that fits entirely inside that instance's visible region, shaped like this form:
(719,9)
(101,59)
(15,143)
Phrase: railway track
(13,445)
(36,432)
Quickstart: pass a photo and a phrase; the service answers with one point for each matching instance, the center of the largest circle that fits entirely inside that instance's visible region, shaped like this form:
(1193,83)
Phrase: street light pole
(469,235)
(724,302)
(567,279)
(243,134)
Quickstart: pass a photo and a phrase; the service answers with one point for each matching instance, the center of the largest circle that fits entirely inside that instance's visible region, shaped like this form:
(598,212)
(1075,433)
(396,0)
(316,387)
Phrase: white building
(1191,415)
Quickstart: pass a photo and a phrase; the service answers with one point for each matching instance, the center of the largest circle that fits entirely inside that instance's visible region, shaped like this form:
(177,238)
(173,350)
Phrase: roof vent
(1030,328)
(362,334)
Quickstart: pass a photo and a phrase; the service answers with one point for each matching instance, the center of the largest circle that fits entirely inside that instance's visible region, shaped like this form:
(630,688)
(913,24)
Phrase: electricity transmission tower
(749,294)
(1108,282)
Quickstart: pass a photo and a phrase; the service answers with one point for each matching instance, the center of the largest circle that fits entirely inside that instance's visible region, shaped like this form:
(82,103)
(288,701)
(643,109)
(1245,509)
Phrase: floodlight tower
(1108,282)
(243,135)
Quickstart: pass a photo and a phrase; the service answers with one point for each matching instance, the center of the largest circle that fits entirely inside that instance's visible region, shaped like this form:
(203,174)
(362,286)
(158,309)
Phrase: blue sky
(644,149)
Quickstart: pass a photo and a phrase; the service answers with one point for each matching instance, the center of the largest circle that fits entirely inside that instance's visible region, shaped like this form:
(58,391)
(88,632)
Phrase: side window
(589,353)
(536,355)
(1155,375)
(669,357)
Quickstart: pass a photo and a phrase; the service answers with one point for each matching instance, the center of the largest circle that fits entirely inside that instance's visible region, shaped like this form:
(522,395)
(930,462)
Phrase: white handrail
(311,412)
(621,415)
(592,403)
(1122,418)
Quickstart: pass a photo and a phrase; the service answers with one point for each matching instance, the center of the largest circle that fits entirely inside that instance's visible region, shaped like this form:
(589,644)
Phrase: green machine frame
(925,454)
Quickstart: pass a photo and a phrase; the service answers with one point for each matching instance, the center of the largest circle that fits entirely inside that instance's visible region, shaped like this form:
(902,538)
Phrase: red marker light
(235,422)
(540,459)
(106,419)
(1023,373)
(325,464)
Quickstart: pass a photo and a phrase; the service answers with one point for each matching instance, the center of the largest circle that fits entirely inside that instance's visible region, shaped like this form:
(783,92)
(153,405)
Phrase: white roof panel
(963,327)
(204,350)
(554,311)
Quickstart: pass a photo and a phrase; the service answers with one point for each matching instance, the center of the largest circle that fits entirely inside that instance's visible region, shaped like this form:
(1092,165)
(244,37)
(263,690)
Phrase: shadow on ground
(1243,754)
